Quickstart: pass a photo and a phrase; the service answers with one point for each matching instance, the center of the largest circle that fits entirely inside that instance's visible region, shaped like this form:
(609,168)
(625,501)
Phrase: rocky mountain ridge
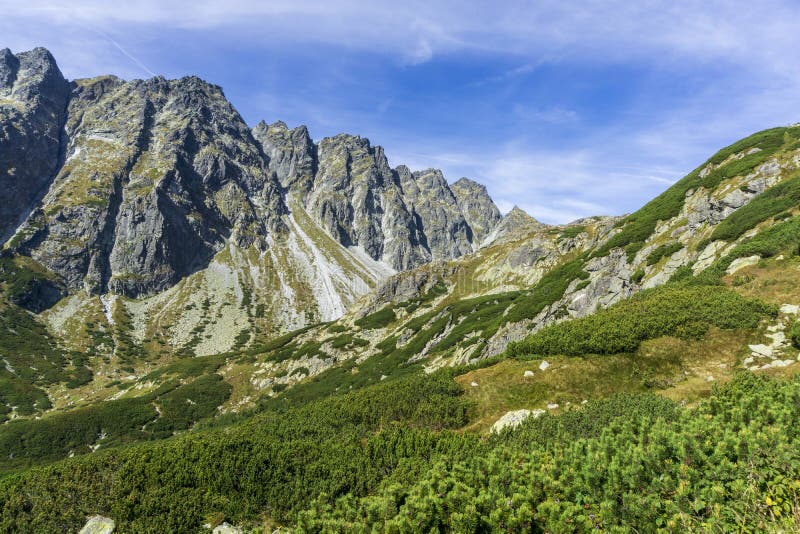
(131,188)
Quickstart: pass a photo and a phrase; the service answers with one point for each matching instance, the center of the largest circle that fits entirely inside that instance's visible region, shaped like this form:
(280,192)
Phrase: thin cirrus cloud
(566,109)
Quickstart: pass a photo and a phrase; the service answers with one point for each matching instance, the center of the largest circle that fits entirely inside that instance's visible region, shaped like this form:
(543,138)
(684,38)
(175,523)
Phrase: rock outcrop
(477,207)
(98,525)
(515,224)
(291,152)
(445,232)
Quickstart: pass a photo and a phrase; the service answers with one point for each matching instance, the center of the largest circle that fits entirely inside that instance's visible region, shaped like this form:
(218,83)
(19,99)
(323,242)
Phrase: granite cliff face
(132,187)
(33,102)
(156,176)
(477,206)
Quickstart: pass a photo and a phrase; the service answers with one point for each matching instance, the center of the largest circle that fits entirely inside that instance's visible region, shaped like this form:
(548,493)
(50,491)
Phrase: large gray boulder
(98,525)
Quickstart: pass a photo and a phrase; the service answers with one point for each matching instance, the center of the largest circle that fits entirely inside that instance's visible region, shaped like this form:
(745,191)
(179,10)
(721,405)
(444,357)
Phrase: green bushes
(379,319)
(111,423)
(638,226)
(632,249)
(590,421)
(28,442)
(571,232)
(769,204)
(549,289)
(732,464)
(189,403)
(766,139)
(663,251)
(276,463)
(686,312)
(782,237)
(794,335)
(383,459)
(348,340)
(29,361)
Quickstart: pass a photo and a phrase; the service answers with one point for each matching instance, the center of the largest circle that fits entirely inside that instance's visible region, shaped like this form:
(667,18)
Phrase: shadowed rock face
(292,154)
(127,187)
(33,101)
(356,198)
(157,175)
(447,234)
(477,207)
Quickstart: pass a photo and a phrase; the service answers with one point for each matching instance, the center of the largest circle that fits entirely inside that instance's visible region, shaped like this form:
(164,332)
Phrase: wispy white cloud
(124,52)
(420,29)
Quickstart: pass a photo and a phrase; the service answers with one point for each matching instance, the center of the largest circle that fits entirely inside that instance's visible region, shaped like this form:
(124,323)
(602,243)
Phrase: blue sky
(566,109)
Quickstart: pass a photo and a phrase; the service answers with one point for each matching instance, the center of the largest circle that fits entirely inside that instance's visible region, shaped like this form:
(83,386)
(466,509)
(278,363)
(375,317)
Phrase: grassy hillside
(381,458)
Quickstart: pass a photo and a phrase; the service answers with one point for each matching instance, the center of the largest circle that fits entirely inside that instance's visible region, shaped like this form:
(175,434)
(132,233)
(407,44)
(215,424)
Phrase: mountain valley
(207,323)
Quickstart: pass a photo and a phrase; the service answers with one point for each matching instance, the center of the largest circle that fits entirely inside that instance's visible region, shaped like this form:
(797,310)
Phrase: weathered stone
(741,263)
(226,528)
(98,525)
(513,419)
(762,350)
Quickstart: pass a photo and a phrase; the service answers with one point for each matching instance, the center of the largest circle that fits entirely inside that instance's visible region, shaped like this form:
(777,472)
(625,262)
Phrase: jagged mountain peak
(33,101)
(9,64)
(515,224)
(478,208)
(155,176)
(519,214)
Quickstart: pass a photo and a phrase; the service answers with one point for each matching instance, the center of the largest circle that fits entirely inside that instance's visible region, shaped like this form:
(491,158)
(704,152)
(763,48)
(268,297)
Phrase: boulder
(514,419)
(226,528)
(741,263)
(98,525)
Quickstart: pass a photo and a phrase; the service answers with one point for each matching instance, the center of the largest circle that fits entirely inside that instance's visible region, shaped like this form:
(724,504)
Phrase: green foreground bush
(731,465)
